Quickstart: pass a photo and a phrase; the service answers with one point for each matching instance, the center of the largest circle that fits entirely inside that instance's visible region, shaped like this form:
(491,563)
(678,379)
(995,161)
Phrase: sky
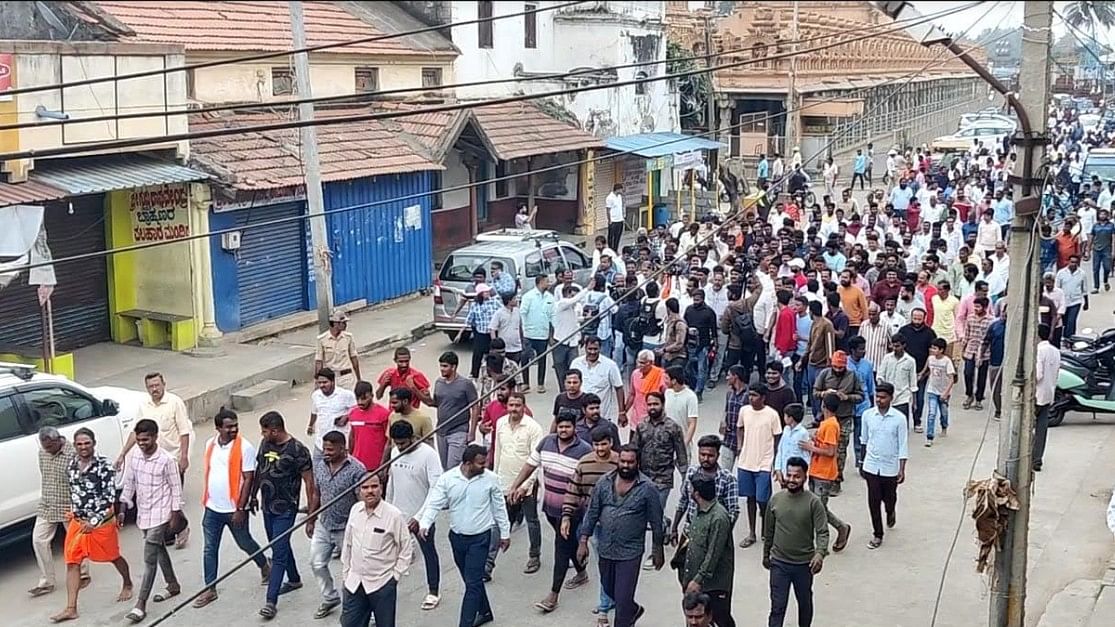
(1005,14)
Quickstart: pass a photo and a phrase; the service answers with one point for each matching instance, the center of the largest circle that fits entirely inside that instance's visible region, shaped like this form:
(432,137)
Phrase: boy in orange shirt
(823,470)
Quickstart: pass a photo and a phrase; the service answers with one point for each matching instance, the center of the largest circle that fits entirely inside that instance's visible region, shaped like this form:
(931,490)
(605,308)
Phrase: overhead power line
(131,143)
(465,186)
(282,53)
(371,97)
(651,277)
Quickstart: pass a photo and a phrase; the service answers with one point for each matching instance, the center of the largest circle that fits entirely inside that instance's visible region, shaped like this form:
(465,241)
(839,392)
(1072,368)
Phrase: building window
(282,81)
(641,86)
(367,79)
(431,77)
(530,27)
(484,29)
(191,89)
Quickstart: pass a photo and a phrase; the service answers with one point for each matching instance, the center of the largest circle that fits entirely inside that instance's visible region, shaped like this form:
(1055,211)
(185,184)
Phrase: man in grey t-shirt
(457,410)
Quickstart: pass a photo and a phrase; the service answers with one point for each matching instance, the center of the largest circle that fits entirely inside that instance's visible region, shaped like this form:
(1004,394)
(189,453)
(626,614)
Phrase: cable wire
(419,195)
(131,143)
(649,278)
(283,53)
(371,97)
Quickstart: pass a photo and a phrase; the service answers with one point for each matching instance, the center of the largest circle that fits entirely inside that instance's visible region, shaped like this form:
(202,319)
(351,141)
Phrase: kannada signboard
(7,70)
(160,213)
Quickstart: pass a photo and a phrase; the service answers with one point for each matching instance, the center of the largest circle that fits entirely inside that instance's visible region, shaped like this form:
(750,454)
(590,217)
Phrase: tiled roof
(250,26)
(433,129)
(269,160)
(28,193)
(520,129)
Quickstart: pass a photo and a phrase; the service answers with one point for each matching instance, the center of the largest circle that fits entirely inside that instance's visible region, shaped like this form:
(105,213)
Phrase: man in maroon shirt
(889,287)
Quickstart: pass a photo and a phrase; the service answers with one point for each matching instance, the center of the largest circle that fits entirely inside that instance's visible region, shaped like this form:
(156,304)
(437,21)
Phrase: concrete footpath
(206,377)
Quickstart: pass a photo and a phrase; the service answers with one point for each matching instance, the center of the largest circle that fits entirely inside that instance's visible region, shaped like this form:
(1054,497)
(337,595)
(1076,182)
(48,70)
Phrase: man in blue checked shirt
(865,372)
(727,490)
(502,282)
(479,320)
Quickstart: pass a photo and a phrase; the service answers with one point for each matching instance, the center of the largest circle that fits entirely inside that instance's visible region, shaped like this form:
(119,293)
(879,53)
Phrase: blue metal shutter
(80,299)
(270,265)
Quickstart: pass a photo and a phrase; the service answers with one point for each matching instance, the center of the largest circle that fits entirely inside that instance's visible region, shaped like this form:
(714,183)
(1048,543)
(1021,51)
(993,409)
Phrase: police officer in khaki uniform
(337,350)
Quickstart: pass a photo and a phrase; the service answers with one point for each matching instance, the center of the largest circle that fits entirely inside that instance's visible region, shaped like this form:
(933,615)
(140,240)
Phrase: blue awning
(660,144)
(93,175)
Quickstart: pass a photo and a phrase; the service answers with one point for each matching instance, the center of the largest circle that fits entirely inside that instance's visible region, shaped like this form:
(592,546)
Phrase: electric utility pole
(1008,587)
(311,165)
(793,121)
(710,105)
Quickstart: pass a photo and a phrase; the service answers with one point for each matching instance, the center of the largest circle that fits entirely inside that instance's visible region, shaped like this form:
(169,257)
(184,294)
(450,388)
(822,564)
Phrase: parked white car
(30,400)
(989,132)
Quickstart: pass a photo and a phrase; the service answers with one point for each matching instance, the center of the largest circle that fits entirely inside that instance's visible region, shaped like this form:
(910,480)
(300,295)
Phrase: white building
(589,36)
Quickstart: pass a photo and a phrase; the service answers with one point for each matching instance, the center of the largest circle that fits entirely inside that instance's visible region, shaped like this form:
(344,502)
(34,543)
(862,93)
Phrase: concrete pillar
(200,202)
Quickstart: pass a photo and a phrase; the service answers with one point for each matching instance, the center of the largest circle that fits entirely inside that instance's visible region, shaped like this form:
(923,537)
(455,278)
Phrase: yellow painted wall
(158,279)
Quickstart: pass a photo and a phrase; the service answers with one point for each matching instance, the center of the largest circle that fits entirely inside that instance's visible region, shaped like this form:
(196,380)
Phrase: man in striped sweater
(590,468)
(558,454)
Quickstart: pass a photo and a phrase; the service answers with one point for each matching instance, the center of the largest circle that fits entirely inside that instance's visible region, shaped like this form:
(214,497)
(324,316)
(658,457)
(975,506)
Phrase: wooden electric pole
(311,166)
(1016,433)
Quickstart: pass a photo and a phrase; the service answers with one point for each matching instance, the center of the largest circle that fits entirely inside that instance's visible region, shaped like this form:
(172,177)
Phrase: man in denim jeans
(229,467)
(335,474)
(282,465)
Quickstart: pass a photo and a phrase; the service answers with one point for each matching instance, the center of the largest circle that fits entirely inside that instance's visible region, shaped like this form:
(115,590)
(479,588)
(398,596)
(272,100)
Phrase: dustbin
(661,214)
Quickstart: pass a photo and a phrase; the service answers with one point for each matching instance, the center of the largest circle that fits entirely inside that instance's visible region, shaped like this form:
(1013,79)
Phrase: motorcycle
(1098,361)
(1079,388)
(1088,340)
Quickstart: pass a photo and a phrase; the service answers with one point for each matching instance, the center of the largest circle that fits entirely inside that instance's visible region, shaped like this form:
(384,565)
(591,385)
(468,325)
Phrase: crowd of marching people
(836,327)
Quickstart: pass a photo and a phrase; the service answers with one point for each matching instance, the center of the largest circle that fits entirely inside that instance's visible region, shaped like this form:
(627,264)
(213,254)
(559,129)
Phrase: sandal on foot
(289,586)
(268,611)
(577,581)
(136,615)
(545,606)
(430,602)
(874,543)
(326,608)
(167,595)
(747,542)
(84,582)
(39,591)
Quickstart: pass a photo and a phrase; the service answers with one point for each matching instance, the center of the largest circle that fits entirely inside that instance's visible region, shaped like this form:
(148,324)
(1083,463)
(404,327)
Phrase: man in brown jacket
(818,350)
(749,352)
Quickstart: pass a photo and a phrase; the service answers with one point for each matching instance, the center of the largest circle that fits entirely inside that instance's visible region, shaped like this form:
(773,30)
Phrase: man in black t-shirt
(282,464)
(571,400)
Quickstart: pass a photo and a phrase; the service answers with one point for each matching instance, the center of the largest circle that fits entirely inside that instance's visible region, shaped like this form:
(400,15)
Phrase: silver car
(524,254)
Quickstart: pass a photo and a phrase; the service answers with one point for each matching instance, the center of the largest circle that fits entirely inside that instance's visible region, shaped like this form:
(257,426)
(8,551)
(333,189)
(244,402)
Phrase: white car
(989,132)
(984,118)
(30,400)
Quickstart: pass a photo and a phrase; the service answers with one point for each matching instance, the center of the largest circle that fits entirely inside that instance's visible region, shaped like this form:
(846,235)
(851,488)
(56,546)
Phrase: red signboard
(7,66)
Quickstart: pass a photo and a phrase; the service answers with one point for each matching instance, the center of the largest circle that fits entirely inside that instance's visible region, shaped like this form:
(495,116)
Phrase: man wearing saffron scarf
(229,464)
(646,378)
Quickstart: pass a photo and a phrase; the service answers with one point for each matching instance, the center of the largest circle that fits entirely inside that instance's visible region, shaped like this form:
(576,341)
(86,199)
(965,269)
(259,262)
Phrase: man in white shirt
(476,504)
(176,430)
(517,435)
(415,469)
(330,404)
(616,214)
(681,402)
(600,376)
(601,249)
(716,297)
(226,499)
(1047,364)
(1071,280)
(374,557)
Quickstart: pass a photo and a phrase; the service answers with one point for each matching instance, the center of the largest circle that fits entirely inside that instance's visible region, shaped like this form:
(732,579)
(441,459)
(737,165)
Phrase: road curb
(203,404)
